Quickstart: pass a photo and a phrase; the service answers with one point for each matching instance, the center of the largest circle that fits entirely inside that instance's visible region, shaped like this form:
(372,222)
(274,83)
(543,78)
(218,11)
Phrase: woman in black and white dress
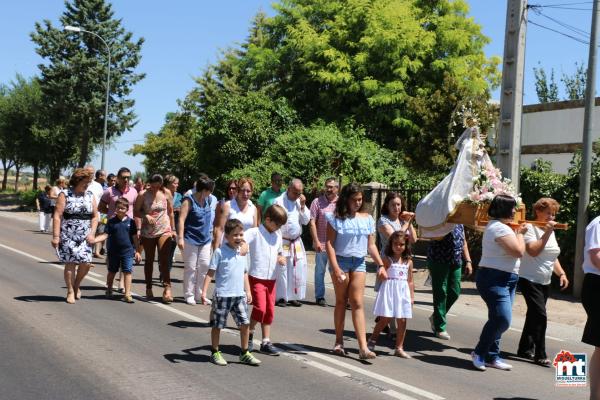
(74,224)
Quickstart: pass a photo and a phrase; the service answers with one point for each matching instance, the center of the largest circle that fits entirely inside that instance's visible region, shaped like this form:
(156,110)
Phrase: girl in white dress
(397,292)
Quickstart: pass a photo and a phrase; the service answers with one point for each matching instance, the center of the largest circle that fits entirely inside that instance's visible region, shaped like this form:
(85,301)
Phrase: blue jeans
(320,264)
(497,288)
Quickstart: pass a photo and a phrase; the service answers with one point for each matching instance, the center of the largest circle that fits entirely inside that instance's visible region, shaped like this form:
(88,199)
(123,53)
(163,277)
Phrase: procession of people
(258,259)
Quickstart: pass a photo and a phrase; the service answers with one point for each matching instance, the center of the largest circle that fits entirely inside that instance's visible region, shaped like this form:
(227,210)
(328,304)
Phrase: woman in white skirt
(397,292)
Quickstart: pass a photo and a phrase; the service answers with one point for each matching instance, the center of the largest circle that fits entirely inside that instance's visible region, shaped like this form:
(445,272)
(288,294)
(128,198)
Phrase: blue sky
(187,35)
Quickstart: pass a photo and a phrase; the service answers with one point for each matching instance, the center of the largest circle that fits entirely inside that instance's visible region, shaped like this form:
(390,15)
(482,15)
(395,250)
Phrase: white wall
(555,127)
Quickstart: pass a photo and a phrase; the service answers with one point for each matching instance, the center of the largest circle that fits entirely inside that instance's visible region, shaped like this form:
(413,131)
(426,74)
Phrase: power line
(561,6)
(568,8)
(563,24)
(566,4)
(559,32)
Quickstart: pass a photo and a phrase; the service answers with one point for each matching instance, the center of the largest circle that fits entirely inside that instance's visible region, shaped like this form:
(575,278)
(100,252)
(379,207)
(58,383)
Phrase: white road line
(370,374)
(547,337)
(315,364)
(397,395)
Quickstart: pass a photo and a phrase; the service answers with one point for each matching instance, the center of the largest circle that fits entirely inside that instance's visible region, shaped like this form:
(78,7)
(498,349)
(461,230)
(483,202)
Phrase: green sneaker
(217,358)
(248,358)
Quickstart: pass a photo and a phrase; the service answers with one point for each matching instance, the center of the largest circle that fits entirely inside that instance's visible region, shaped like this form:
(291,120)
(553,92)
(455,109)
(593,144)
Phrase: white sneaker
(190,301)
(478,362)
(499,364)
(442,335)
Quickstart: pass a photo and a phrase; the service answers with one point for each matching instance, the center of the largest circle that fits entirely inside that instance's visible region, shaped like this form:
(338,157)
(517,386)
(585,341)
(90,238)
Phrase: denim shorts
(351,264)
(123,262)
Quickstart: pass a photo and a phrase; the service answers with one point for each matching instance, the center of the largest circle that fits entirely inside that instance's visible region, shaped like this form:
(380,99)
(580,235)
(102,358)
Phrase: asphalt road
(107,349)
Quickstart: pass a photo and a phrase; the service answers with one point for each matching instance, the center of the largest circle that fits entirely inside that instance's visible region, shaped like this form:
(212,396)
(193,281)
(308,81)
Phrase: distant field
(25,183)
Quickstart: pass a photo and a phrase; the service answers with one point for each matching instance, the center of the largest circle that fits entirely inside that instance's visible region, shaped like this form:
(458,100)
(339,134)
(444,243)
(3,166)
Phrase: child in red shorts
(265,251)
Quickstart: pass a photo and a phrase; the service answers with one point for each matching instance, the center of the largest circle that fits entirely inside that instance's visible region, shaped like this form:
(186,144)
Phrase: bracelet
(468,262)
(563,274)
(380,266)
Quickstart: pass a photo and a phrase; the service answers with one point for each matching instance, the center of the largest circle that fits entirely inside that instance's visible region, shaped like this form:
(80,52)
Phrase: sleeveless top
(397,270)
(246,217)
(198,223)
(77,207)
(157,209)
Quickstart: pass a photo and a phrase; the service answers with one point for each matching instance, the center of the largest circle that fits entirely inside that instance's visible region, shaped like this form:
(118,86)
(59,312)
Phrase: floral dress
(75,227)
(157,209)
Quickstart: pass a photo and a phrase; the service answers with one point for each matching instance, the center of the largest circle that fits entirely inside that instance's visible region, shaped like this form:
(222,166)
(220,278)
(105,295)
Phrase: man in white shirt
(291,281)
(589,300)
(96,189)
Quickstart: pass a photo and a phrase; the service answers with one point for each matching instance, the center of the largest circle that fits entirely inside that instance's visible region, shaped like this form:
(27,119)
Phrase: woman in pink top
(155,209)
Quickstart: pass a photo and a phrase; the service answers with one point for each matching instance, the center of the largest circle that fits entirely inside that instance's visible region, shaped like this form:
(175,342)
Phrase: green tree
(172,149)
(575,84)
(323,150)
(238,129)
(6,150)
(379,63)
(73,80)
(546,89)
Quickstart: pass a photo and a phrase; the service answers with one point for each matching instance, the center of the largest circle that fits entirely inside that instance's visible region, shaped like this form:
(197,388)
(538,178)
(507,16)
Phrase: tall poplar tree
(73,76)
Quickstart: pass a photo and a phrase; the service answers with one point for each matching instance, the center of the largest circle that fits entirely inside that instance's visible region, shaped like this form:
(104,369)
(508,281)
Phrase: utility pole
(586,161)
(511,102)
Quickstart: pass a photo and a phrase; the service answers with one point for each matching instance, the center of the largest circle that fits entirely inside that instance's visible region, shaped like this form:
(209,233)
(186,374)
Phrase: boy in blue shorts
(231,294)
(122,247)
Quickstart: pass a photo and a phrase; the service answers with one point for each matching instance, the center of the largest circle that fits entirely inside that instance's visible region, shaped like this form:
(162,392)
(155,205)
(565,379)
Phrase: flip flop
(544,362)
(338,349)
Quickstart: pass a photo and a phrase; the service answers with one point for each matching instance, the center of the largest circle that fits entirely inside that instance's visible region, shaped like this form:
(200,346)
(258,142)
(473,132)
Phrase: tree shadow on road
(514,398)
(202,354)
(41,298)
(445,360)
(189,324)
(351,352)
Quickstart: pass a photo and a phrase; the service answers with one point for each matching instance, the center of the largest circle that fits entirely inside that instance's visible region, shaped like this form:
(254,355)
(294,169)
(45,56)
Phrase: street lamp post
(78,29)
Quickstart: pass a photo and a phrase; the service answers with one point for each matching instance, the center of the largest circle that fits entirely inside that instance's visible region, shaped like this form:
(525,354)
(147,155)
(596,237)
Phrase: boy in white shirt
(266,254)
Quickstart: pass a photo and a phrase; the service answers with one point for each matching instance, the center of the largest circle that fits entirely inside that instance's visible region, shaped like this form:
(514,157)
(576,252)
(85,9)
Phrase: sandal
(544,362)
(167,298)
(338,349)
(366,355)
(401,353)
(526,355)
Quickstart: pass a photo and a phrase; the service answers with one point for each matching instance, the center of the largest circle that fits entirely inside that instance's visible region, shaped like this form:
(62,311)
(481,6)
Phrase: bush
(27,198)
(323,150)
(540,181)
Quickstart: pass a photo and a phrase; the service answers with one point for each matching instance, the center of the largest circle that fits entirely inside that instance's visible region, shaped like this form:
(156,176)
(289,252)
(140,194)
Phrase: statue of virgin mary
(433,210)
